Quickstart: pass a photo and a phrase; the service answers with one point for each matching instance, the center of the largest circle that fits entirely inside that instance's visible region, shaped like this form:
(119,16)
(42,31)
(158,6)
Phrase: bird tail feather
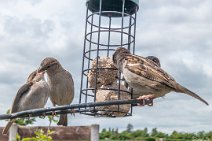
(63,120)
(184,90)
(7,127)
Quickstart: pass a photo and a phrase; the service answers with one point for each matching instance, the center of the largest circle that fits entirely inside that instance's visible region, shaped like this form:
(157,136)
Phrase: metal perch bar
(68,108)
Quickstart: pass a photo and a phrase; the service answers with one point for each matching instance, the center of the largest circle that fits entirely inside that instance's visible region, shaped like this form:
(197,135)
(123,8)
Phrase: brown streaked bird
(34,94)
(146,78)
(60,83)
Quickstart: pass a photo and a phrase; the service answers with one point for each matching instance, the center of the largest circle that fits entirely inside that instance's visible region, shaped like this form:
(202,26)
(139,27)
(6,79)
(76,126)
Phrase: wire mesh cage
(109,24)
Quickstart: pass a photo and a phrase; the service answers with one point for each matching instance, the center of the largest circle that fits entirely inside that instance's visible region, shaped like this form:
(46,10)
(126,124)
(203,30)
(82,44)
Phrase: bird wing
(68,74)
(145,68)
(22,91)
(71,87)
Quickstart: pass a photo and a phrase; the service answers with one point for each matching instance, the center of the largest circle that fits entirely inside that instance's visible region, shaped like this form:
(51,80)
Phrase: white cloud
(178,32)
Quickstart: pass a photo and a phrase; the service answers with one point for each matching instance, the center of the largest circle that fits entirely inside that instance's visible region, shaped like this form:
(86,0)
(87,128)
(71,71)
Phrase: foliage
(51,119)
(40,136)
(18,137)
(153,135)
(24,122)
(32,120)
(129,127)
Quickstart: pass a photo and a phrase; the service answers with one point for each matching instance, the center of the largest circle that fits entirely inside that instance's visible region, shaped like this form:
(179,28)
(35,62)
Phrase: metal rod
(135,30)
(98,44)
(111,45)
(122,21)
(109,37)
(105,12)
(129,38)
(83,61)
(122,25)
(68,108)
(89,56)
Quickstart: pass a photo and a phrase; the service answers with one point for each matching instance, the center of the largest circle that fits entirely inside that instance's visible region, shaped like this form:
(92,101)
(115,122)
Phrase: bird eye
(48,67)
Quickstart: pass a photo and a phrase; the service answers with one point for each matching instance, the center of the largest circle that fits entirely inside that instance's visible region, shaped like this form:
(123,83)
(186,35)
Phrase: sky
(178,32)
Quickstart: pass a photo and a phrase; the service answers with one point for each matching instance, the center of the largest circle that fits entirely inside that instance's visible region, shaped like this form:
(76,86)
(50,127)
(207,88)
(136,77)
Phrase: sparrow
(147,79)
(33,94)
(60,83)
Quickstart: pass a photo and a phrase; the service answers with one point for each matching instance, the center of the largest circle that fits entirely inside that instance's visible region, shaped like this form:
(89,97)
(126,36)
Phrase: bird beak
(41,70)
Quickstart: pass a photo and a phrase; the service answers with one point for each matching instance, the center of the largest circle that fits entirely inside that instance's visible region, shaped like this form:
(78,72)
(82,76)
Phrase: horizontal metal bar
(67,109)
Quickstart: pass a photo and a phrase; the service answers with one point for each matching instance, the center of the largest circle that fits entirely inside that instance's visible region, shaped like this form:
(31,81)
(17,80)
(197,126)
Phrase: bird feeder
(109,24)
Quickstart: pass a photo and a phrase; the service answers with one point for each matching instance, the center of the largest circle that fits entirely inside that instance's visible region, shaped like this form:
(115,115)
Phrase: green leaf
(40,136)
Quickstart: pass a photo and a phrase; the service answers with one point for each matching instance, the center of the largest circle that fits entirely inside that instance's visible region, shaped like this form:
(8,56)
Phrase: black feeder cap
(113,8)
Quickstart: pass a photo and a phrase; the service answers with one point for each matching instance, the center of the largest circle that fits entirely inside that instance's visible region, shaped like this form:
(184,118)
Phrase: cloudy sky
(178,32)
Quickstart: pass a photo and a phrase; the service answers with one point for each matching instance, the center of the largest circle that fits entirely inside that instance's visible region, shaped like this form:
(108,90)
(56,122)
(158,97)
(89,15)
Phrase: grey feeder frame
(109,24)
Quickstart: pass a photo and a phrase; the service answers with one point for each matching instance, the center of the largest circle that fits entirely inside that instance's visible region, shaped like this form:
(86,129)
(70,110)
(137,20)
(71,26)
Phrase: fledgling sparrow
(34,94)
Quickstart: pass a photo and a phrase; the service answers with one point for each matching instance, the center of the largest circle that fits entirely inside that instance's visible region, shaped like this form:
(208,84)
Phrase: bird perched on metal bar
(34,94)
(60,83)
(146,77)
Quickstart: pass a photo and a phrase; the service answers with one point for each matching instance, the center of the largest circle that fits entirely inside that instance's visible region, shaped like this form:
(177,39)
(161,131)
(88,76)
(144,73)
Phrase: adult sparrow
(60,83)
(147,79)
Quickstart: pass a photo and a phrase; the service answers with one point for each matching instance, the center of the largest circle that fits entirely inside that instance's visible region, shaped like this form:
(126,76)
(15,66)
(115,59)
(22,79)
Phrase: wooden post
(13,132)
(90,133)
(94,132)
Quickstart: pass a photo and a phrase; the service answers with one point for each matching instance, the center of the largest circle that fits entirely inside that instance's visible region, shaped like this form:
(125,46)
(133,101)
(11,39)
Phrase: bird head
(35,76)
(119,54)
(48,64)
(155,60)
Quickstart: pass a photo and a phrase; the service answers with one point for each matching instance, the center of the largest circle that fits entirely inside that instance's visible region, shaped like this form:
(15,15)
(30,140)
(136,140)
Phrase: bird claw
(149,102)
(72,112)
(29,117)
(54,113)
(42,116)
(145,100)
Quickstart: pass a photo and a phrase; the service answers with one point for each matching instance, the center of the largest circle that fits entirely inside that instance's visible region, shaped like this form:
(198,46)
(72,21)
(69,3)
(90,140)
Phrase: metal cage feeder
(109,24)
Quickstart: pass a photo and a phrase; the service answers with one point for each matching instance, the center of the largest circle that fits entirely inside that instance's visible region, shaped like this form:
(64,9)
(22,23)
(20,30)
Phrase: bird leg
(146,100)
(29,116)
(42,116)
(72,112)
(54,113)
